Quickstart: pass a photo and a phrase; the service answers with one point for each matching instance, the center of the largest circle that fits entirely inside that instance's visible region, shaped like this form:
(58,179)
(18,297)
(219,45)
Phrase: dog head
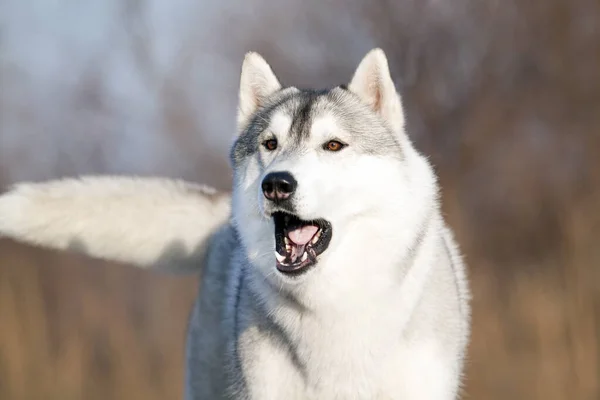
(318,171)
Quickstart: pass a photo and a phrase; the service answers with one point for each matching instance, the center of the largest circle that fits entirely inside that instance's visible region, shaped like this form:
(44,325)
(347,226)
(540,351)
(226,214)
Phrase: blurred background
(504,96)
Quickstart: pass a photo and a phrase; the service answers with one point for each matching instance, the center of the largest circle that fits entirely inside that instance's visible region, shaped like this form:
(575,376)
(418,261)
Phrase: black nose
(279,186)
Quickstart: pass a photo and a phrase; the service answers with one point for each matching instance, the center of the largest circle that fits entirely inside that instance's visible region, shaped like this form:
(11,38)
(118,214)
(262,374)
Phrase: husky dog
(329,273)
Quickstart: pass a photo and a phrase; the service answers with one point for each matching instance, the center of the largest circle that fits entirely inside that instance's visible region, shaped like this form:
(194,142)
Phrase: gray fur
(304,105)
(384,311)
(259,317)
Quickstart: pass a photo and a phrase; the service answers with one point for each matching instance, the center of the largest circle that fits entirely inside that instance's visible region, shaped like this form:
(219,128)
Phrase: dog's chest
(347,361)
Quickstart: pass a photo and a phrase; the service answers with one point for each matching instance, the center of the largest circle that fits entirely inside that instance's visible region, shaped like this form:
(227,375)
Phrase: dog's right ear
(257,82)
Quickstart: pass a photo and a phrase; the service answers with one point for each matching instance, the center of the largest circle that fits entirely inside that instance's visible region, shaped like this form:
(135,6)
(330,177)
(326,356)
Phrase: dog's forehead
(317,123)
(326,124)
(309,113)
(280,123)
(300,115)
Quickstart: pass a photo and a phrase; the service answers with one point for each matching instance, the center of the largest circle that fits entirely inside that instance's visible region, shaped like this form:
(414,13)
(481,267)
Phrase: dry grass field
(504,97)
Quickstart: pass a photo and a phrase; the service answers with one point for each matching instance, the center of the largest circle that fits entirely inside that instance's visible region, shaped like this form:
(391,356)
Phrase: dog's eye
(270,144)
(333,145)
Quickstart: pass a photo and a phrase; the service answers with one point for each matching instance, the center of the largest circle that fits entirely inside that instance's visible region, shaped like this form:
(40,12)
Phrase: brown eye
(333,145)
(270,144)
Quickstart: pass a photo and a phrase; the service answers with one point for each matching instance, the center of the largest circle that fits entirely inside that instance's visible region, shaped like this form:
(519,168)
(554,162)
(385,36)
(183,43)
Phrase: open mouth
(298,243)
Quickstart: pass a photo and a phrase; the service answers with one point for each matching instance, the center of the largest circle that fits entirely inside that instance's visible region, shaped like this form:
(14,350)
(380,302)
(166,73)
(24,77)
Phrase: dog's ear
(257,82)
(374,86)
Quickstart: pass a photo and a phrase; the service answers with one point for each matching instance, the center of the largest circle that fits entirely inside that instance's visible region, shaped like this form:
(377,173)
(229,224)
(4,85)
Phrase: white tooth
(316,238)
(304,256)
(279,257)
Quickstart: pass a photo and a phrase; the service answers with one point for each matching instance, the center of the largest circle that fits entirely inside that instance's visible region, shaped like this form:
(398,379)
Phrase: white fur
(373,84)
(383,315)
(371,330)
(150,222)
(280,125)
(257,82)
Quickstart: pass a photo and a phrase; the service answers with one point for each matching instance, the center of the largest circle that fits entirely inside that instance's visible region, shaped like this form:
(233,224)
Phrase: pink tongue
(303,235)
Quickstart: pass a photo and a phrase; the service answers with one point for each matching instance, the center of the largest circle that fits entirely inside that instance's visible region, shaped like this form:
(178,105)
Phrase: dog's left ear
(373,84)
(257,82)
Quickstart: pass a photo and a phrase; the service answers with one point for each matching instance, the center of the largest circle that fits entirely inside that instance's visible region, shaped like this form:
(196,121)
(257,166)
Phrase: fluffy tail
(148,222)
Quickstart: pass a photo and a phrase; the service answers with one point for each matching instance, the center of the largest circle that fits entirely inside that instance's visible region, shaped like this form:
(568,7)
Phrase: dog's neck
(321,327)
